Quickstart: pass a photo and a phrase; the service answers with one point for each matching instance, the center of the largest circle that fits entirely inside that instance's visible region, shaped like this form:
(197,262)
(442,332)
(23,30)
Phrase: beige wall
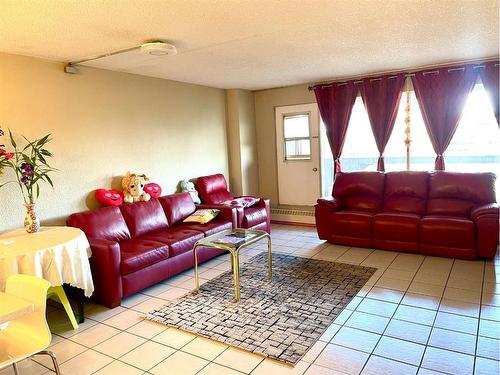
(233,141)
(243,168)
(103,124)
(265,102)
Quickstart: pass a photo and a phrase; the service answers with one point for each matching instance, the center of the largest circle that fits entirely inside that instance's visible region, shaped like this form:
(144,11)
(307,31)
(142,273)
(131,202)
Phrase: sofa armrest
(266,203)
(330,203)
(105,266)
(485,219)
(323,213)
(487,209)
(227,213)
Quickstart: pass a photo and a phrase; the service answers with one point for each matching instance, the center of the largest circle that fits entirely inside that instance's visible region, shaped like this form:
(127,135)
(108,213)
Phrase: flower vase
(31,220)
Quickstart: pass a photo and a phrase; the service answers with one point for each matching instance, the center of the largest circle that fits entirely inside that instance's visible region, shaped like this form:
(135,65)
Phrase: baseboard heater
(295,216)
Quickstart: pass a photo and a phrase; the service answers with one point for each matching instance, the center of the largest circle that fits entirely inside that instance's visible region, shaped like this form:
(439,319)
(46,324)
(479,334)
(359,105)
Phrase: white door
(298,149)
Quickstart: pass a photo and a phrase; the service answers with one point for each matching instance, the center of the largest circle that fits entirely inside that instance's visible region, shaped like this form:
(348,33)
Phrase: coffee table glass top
(233,238)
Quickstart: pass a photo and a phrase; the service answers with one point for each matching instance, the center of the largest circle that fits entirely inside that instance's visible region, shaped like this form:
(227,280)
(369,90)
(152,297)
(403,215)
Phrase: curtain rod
(410,72)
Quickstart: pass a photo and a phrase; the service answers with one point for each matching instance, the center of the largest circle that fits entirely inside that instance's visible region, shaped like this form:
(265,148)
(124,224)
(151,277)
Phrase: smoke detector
(158,48)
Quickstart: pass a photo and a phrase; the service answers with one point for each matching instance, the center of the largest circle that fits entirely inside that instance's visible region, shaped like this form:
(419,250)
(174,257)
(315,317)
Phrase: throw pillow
(202,216)
(242,201)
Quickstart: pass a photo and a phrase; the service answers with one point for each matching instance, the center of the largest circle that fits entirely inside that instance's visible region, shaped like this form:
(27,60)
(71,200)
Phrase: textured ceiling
(253,44)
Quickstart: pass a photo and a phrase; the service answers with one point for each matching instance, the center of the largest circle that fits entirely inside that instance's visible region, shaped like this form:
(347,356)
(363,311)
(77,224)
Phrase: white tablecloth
(56,254)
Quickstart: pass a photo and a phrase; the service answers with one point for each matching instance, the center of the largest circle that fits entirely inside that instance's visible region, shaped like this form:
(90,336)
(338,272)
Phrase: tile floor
(417,314)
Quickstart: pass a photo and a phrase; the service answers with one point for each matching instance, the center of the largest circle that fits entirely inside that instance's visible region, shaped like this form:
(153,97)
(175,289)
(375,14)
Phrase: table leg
(80,305)
(270,257)
(196,277)
(236,275)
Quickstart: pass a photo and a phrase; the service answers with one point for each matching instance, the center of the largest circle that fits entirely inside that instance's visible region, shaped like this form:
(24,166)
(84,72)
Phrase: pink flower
(9,156)
(2,151)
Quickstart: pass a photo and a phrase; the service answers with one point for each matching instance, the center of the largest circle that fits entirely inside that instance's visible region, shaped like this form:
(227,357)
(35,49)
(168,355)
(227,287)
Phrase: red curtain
(489,76)
(381,97)
(335,104)
(441,94)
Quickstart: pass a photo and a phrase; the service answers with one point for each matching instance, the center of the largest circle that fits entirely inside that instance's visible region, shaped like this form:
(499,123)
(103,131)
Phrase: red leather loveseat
(433,213)
(213,190)
(137,245)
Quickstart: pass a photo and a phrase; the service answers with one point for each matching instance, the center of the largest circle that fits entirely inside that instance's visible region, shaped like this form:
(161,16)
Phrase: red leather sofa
(137,245)
(434,213)
(213,190)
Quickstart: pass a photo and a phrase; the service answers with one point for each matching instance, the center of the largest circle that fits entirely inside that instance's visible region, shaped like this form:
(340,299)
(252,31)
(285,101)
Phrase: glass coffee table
(233,240)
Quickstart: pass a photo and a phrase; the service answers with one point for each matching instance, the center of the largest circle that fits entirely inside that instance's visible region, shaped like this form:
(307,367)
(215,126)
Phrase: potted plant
(30,168)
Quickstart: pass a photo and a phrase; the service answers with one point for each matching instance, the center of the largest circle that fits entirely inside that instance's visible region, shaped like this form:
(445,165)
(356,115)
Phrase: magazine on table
(235,239)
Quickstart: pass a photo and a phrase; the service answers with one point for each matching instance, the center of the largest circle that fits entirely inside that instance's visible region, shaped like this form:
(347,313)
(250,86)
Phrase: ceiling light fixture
(158,48)
(152,47)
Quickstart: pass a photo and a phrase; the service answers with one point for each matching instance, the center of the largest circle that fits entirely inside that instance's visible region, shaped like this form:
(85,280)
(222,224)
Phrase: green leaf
(48,180)
(43,140)
(14,144)
(37,191)
(45,152)
(42,159)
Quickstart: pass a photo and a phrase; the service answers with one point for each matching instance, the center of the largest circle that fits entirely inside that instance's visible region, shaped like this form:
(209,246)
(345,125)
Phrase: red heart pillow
(153,189)
(110,197)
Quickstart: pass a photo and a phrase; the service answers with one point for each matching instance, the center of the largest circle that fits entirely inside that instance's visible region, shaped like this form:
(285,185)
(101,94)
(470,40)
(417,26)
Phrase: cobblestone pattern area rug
(280,319)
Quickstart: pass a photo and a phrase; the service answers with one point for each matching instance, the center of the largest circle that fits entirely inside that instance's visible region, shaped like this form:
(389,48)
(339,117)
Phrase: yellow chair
(58,291)
(29,334)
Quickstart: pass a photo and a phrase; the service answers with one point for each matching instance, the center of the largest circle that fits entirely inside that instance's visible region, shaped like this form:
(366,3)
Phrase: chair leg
(16,369)
(59,292)
(54,360)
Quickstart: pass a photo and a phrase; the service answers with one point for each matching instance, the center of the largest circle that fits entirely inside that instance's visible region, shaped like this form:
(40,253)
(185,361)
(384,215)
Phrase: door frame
(320,174)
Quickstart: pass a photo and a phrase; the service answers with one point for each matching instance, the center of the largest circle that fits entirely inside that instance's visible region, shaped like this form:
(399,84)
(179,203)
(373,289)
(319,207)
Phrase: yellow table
(12,307)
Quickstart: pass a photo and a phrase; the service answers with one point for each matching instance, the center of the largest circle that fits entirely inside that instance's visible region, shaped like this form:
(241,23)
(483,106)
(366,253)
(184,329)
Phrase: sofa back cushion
(213,189)
(455,194)
(105,223)
(406,192)
(177,206)
(360,191)
(144,217)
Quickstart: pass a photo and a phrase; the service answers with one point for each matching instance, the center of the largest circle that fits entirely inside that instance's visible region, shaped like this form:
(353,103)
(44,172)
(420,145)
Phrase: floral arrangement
(4,155)
(29,165)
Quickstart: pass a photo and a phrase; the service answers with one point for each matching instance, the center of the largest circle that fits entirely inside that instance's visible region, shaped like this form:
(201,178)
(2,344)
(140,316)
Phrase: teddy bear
(133,188)
(188,186)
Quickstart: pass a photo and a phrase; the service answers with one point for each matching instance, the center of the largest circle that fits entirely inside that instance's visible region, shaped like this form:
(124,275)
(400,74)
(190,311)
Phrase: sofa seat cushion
(352,224)
(213,227)
(177,238)
(396,227)
(253,216)
(137,254)
(448,231)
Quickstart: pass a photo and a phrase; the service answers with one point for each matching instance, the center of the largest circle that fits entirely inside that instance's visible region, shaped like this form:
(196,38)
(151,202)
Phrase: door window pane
(296,126)
(298,149)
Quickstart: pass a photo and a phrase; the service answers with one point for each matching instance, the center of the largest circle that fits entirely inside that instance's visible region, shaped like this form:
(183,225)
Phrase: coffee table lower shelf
(234,250)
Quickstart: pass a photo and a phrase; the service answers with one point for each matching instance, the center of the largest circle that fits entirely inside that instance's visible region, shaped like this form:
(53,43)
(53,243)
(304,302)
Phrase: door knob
(315,169)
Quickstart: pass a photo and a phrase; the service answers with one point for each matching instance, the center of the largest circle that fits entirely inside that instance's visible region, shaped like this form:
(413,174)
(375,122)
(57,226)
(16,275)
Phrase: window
(475,147)
(326,162)
(360,151)
(422,154)
(297,137)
